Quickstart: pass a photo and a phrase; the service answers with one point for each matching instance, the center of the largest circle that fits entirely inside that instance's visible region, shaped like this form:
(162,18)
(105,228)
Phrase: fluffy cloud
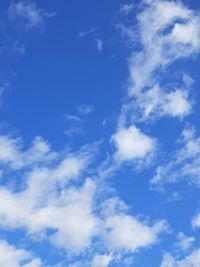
(123,233)
(56,195)
(27,14)
(193,260)
(45,202)
(167,31)
(11,256)
(102,260)
(165,38)
(38,209)
(132,144)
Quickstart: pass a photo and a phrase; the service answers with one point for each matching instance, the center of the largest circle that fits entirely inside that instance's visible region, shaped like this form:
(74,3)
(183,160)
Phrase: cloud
(99,44)
(27,14)
(162,34)
(83,34)
(85,109)
(39,208)
(184,243)
(74,118)
(11,256)
(39,205)
(183,164)
(126,9)
(165,38)
(123,233)
(56,196)
(196,221)
(12,155)
(155,103)
(191,260)
(13,49)
(132,144)
(102,260)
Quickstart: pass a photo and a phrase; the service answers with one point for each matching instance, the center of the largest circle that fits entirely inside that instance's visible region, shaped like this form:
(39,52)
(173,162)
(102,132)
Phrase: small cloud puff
(132,144)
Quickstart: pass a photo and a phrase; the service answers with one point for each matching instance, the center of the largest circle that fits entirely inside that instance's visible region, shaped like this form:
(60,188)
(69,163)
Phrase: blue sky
(99,133)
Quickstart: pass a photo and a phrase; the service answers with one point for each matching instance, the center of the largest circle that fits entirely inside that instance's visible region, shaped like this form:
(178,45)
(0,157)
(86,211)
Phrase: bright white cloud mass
(74,193)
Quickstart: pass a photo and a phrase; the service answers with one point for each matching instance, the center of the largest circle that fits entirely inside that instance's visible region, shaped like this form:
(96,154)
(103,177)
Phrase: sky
(99,133)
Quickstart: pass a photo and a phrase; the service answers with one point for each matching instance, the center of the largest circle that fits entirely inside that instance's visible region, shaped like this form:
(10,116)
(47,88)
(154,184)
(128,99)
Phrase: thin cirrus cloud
(85,109)
(27,14)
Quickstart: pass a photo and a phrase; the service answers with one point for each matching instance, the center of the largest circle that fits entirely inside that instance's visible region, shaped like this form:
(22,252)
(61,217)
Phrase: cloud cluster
(167,31)
(57,195)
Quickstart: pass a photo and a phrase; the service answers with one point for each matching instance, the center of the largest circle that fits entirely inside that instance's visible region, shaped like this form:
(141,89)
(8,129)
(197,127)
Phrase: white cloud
(184,243)
(37,212)
(167,31)
(183,163)
(193,260)
(126,8)
(11,152)
(11,256)
(46,200)
(99,43)
(196,221)
(27,14)
(158,40)
(83,34)
(132,144)
(85,109)
(70,117)
(55,197)
(127,233)
(155,103)
(102,260)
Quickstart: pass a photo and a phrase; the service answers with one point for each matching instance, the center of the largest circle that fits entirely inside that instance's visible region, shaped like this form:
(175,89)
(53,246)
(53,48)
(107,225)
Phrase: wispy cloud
(99,45)
(183,164)
(85,109)
(184,243)
(74,118)
(27,14)
(126,8)
(83,34)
